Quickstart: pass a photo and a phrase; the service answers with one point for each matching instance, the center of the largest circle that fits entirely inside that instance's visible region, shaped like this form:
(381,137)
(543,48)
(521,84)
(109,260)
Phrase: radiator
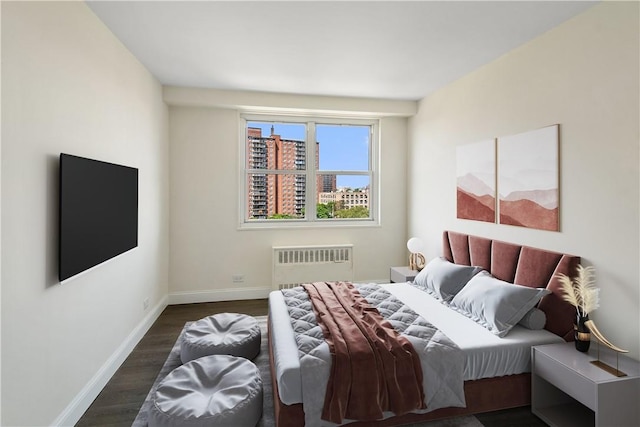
(294,265)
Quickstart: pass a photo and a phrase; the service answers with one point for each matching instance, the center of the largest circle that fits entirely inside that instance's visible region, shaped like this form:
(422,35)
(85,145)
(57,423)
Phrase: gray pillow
(535,319)
(495,304)
(443,279)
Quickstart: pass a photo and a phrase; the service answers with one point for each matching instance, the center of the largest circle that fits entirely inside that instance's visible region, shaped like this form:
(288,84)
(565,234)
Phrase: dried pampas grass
(582,292)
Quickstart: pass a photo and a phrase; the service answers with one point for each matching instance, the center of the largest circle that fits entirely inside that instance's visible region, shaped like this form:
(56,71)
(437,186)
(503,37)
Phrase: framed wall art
(476,181)
(528,179)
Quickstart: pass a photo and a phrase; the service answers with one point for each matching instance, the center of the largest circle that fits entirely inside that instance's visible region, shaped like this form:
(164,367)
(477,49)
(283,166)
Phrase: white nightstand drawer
(580,388)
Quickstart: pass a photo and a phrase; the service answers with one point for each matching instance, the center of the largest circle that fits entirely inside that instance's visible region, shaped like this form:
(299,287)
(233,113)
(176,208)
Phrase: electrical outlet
(238,278)
(145,304)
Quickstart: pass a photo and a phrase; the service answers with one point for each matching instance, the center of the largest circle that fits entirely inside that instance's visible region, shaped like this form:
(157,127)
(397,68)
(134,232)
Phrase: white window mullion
(310,196)
(242,202)
(373,173)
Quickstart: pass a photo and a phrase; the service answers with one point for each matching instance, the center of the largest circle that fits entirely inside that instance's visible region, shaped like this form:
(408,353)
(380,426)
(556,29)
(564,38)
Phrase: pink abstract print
(528,179)
(476,181)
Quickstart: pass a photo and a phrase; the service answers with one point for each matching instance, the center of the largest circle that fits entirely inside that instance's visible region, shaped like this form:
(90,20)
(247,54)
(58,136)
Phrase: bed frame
(512,263)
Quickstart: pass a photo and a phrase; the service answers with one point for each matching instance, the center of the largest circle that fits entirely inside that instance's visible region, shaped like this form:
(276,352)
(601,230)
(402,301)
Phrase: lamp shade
(414,245)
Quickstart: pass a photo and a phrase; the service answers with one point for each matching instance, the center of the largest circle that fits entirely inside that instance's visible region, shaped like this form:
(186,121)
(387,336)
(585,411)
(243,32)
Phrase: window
(307,171)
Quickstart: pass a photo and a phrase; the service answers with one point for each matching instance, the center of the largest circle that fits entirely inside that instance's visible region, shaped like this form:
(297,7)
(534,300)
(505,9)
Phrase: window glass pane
(342,196)
(343,147)
(276,174)
(275,196)
(276,146)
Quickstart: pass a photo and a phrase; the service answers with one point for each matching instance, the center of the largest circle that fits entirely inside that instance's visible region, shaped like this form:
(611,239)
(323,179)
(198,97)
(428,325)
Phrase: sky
(341,147)
(528,161)
(478,159)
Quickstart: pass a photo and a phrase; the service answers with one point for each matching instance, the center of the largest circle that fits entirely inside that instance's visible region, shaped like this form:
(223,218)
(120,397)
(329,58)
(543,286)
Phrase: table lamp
(416,259)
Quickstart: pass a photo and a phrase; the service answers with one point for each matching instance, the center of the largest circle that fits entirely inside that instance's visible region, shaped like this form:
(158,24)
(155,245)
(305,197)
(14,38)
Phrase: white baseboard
(229,294)
(79,405)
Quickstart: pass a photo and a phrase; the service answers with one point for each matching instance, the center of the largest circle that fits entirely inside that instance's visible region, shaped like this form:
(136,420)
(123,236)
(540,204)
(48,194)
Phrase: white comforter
(441,360)
(486,355)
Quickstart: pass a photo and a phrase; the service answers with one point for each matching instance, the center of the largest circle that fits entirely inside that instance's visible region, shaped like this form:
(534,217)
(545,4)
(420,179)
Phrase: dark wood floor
(120,400)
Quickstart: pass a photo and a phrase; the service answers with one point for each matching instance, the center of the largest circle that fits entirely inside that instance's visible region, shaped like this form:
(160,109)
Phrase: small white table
(402,274)
(568,390)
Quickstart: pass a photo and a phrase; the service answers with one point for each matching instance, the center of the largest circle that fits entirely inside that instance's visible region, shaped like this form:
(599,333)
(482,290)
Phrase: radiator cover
(294,265)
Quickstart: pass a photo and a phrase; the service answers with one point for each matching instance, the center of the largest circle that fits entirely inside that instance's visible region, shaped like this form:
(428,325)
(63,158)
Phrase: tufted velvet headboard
(521,265)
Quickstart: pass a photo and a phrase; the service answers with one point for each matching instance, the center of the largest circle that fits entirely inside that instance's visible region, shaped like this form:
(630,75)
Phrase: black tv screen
(98,213)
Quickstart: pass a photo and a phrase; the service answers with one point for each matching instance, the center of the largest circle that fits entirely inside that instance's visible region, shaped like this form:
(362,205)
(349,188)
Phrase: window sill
(280,225)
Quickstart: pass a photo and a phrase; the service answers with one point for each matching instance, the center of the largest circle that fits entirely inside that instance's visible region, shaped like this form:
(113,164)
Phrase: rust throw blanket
(374,369)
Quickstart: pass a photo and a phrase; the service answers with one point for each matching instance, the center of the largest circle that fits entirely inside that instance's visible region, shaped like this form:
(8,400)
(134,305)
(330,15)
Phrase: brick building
(269,194)
(346,198)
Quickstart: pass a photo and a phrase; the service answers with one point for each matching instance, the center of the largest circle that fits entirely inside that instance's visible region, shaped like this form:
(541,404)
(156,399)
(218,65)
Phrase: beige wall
(584,76)
(207,247)
(70,86)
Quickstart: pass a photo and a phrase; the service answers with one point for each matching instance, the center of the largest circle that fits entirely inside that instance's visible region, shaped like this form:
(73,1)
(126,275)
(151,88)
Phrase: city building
(346,198)
(271,194)
(326,184)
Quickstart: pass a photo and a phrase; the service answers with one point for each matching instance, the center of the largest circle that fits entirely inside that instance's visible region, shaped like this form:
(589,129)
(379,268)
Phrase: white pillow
(495,304)
(443,279)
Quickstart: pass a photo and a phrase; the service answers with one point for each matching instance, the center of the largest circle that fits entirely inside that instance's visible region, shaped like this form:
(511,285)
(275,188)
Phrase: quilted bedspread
(441,360)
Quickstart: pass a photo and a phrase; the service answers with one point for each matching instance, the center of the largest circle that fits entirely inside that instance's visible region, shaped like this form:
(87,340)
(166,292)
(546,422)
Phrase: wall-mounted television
(98,213)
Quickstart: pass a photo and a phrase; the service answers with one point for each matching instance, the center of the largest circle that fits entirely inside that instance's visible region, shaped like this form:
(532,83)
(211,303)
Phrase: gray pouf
(214,391)
(226,333)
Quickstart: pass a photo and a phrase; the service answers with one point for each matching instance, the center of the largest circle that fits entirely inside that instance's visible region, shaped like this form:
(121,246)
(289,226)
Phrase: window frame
(310,172)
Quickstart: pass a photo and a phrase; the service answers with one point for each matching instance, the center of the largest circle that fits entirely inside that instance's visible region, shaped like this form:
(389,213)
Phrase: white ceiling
(373,49)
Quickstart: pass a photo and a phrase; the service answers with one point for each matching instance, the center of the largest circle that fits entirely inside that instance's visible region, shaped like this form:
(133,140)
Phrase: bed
(496,368)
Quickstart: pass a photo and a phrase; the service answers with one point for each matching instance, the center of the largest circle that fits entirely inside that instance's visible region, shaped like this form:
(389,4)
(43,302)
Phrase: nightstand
(568,390)
(402,274)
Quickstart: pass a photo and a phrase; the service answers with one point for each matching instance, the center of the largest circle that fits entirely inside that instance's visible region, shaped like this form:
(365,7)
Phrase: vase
(582,334)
